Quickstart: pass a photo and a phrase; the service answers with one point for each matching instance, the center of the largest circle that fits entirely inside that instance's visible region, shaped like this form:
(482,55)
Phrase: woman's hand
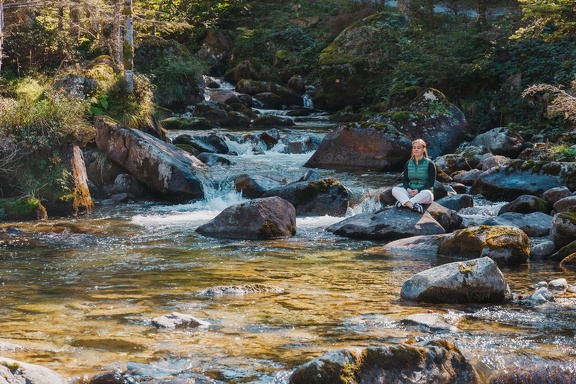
(412,192)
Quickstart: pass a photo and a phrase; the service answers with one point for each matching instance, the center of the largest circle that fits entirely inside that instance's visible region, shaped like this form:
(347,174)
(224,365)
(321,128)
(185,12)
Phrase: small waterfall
(307,100)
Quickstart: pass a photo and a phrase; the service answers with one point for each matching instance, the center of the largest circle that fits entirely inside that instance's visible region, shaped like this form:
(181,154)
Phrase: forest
(503,63)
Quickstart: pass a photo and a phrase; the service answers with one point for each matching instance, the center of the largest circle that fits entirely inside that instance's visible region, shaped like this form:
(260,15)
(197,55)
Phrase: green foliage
(40,122)
(547,19)
(21,208)
(36,47)
(173,78)
(563,153)
(132,109)
(266,43)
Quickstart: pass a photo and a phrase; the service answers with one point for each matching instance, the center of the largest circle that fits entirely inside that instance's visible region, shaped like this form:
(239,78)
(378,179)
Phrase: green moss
(380,127)
(569,216)
(402,116)
(24,208)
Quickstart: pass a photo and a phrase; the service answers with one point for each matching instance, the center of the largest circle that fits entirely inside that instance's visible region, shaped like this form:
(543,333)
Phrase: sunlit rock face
(438,361)
(258,219)
(161,166)
(473,281)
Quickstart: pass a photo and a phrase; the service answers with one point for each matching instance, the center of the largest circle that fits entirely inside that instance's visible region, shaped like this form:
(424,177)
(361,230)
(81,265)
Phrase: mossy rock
(23,208)
(504,244)
(194,123)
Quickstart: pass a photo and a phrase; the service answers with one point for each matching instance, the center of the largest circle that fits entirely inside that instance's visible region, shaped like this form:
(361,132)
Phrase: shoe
(418,208)
(398,204)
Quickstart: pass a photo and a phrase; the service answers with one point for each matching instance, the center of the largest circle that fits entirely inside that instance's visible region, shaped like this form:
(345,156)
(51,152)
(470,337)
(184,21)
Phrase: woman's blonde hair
(423,143)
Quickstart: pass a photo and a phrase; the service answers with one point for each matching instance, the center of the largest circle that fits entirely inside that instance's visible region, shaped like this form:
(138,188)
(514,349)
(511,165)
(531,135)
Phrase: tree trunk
(128,46)
(481,10)
(75,20)
(1,33)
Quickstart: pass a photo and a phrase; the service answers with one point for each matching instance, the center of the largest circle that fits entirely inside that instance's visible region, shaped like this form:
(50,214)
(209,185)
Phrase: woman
(419,177)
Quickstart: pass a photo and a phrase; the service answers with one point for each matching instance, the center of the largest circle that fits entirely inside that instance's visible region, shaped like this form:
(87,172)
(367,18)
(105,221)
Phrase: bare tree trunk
(128,46)
(1,33)
(481,10)
(75,19)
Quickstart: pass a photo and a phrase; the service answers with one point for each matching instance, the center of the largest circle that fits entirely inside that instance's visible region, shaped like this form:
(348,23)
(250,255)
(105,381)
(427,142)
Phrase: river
(80,296)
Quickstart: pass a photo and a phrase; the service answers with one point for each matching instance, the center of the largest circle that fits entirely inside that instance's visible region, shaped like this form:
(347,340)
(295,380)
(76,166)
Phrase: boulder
(535,224)
(438,361)
(474,281)
(451,163)
(314,197)
(501,141)
(286,96)
(424,244)
(18,372)
(526,204)
(362,146)
(212,159)
(490,161)
(456,202)
(474,154)
(565,204)
(541,249)
(266,121)
(161,166)
(504,244)
(393,223)
(253,186)
(351,62)
(554,194)
(467,177)
(76,86)
(524,178)
(563,229)
(125,183)
(258,219)
(432,117)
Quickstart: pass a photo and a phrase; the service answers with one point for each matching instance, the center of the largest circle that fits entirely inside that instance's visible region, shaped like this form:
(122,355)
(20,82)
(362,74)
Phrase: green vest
(418,174)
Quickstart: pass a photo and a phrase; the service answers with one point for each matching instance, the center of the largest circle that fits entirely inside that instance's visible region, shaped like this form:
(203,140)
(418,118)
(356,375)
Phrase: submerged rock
(178,320)
(473,281)
(239,290)
(530,372)
(437,361)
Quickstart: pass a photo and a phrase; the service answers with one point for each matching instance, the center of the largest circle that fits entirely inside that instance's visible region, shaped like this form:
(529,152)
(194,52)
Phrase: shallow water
(80,296)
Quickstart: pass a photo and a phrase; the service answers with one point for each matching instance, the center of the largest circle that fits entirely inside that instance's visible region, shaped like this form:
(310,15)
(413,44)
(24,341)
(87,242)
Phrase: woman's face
(417,150)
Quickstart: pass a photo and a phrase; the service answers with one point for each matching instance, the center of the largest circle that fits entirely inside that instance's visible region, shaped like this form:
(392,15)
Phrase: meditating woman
(418,181)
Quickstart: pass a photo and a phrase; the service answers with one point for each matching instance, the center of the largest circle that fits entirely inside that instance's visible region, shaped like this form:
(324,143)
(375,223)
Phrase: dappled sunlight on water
(79,295)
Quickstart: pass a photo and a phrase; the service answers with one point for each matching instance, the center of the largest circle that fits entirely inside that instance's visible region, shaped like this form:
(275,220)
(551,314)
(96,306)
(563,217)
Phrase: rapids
(79,297)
